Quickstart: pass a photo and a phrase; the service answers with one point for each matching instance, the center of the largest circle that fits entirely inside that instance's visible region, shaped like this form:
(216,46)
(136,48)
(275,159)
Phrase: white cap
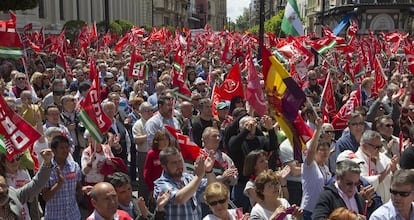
(348,155)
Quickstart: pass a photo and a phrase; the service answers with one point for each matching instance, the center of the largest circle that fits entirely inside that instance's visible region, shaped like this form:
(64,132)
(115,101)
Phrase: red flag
(232,85)
(190,150)
(121,43)
(61,62)
(226,55)
(254,92)
(409,55)
(380,81)
(215,99)
(304,132)
(9,39)
(178,81)
(92,103)
(328,100)
(93,33)
(339,122)
(83,38)
(16,135)
(135,66)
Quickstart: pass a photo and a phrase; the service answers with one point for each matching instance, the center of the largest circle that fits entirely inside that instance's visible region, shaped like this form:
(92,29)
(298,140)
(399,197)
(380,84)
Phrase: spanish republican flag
(285,98)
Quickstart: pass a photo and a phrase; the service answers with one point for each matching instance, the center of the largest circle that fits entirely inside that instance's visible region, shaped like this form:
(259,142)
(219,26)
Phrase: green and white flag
(291,23)
(2,145)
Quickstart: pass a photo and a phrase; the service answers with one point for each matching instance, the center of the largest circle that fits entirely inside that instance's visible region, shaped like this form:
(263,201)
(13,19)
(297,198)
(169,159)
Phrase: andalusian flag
(2,145)
(291,23)
(10,45)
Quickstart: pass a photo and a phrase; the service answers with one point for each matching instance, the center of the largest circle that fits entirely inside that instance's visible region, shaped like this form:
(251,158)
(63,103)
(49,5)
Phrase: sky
(235,8)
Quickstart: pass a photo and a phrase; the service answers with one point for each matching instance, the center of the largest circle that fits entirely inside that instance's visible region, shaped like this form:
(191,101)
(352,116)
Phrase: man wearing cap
(377,167)
(201,87)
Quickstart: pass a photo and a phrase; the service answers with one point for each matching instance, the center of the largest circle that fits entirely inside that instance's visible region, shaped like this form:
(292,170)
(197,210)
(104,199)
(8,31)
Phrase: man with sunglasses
(401,205)
(385,126)
(342,193)
(377,167)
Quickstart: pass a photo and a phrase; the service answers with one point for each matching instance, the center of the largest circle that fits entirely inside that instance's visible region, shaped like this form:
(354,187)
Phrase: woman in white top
(217,197)
(271,206)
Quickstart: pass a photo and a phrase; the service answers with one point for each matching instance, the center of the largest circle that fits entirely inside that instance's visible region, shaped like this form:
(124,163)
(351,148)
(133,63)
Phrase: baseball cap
(221,105)
(348,155)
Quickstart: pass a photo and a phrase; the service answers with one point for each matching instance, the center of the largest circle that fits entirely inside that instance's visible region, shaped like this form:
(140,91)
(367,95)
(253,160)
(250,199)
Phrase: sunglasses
(58,92)
(329,132)
(222,201)
(21,78)
(375,146)
(402,194)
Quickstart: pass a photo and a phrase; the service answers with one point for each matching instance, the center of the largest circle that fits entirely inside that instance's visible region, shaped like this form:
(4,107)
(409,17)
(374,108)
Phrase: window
(42,9)
(61,11)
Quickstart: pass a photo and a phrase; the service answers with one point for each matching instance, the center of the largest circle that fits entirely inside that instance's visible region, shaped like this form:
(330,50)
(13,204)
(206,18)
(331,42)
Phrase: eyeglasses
(329,132)
(389,125)
(221,201)
(312,79)
(375,146)
(402,194)
(57,93)
(357,123)
(148,110)
(21,78)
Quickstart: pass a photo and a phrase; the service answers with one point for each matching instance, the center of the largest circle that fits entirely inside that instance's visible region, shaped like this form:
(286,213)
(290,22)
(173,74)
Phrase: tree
(72,28)
(273,25)
(6,5)
(125,25)
(242,22)
(113,27)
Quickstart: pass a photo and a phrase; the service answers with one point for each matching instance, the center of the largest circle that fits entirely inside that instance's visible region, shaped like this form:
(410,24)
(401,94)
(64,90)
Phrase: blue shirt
(388,212)
(347,142)
(191,210)
(63,204)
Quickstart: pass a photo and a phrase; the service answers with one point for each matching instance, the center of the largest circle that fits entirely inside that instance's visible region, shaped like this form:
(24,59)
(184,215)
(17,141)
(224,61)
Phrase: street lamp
(261,29)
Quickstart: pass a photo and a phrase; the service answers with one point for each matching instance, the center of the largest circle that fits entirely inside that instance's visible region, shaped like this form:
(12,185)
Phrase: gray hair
(403,177)
(369,135)
(347,166)
(50,130)
(145,105)
(244,120)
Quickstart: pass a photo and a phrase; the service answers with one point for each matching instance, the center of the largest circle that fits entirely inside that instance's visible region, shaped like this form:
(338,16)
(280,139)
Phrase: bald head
(104,199)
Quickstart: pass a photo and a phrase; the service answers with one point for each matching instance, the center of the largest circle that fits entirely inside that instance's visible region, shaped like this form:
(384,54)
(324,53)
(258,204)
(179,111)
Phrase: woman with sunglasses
(217,197)
(271,206)
(17,178)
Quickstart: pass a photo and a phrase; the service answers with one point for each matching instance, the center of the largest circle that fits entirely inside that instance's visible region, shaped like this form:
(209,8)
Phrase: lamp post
(261,29)
(106,18)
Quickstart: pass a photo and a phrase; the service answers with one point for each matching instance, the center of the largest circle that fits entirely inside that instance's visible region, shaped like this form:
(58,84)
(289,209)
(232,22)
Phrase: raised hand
(47,155)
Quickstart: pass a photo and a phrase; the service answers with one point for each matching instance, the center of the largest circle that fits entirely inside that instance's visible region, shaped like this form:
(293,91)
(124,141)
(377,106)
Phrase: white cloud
(235,8)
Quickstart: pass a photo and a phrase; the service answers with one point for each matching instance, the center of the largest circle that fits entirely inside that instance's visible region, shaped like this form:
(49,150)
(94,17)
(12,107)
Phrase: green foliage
(147,28)
(242,22)
(113,27)
(273,25)
(73,27)
(6,5)
(125,25)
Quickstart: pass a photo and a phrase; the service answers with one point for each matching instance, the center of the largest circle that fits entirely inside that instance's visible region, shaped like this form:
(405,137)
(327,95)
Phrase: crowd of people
(247,169)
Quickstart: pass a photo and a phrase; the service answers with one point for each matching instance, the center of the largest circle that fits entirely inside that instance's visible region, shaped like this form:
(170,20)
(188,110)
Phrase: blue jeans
(307,215)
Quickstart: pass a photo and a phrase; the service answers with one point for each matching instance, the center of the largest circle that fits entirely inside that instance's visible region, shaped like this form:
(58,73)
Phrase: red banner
(18,134)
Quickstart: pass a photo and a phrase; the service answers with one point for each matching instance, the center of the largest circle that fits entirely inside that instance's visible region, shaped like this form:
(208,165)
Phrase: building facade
(53,14)
(375,15)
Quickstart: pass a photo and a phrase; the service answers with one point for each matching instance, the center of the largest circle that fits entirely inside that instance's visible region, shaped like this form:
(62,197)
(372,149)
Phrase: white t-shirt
(249,185)
(258,212)
(231,212)
(16,181)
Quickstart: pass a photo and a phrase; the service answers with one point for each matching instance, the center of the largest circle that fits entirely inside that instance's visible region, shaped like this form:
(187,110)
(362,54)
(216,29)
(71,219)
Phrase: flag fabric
(92,115)
(215,99)
(10,45)
(340,120)
(190,151)
(16,135)
(291,23)
(285,98)
(380,81)
(61,62)
(254,92)
(409,56)
(328,100)
(178,81)
(232,85)
(342,23)
(137,65)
